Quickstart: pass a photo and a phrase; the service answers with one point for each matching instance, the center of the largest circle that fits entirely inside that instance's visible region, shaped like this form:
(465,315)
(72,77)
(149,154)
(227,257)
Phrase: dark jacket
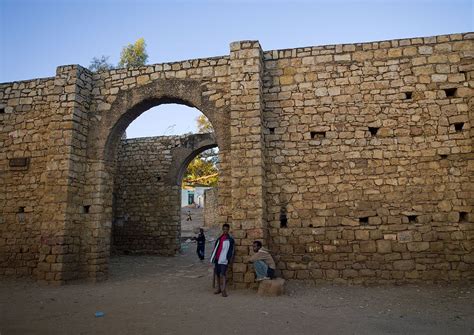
(230,251)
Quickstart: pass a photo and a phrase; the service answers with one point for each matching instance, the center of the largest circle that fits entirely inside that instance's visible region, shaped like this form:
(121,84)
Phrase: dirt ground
(159,295)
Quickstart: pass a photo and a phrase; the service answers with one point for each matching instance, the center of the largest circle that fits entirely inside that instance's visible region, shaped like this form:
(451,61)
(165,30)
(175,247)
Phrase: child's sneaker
(263,278)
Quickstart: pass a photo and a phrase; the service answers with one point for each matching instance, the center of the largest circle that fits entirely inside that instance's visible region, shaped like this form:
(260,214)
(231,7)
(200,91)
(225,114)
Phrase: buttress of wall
(370,159)
(147,209)
(24,119)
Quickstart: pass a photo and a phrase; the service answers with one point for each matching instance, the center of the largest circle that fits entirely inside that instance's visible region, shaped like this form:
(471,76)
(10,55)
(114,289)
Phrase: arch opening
(132,114)
(147,193)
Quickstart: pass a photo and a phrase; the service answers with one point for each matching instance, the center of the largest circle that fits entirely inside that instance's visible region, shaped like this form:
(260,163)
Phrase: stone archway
(82,117)
(103,143)
(129,104)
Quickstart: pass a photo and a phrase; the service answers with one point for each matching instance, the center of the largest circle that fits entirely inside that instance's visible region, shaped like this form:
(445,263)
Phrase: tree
(204,125)
(204,168)
(100,64)
(133,54)
(201,171)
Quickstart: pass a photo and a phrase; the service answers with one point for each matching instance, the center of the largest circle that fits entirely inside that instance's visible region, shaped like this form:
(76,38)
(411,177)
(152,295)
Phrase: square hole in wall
(450,92)
(318,134)
(2,110)
(20,162)
(458,126)
(443,156)
(272,131)
(364,221)
(412,218)
(373,131)
(463,217)
(21,210)
(283,217)
(408,95)
(86,209)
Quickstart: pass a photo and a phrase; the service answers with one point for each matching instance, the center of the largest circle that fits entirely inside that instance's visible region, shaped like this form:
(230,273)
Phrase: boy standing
(201,244)
(222,255)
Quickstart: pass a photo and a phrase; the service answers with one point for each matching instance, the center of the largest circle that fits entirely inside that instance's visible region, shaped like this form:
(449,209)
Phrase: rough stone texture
(353,163)
(147,202)
(373,180)
(271,288)
(211,216)
(248,152)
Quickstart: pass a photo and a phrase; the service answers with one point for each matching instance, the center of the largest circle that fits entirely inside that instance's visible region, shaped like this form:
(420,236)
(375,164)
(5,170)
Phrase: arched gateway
(351,162)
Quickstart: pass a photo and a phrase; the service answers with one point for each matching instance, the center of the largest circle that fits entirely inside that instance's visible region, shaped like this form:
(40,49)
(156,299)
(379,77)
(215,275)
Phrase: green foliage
(134,54)
(201,171)
(100,64)
(204,125)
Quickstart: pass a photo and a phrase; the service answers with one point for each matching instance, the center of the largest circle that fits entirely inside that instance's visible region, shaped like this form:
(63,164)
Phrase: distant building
(193,195)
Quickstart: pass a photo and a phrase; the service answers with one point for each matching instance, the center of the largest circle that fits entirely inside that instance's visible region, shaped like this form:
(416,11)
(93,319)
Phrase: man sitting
(263,262)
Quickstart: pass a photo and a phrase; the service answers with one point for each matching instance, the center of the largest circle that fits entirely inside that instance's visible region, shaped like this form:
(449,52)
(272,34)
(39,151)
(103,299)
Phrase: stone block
(271,288)
(405,236)
(362,234)
(404,265)
(367,246)
(418,246)
(384,246)
(249,277)
(350,273)
(239,267)
(302,274)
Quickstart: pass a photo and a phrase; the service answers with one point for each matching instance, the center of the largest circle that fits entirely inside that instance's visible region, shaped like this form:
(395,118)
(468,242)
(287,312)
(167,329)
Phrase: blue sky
(38,35)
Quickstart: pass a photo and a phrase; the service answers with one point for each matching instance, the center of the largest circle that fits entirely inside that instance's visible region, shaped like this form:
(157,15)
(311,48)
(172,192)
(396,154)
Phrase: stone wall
(44,125)
(147,194)
(146,209)
(24,133)
(211,218)
(370,160)
(352,162)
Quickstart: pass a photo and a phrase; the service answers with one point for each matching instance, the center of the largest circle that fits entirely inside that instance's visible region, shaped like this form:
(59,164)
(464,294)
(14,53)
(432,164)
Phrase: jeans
(200,251)
(262,270)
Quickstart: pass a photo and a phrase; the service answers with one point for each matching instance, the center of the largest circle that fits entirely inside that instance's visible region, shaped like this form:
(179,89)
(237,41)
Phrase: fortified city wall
(352,163)
(369,159)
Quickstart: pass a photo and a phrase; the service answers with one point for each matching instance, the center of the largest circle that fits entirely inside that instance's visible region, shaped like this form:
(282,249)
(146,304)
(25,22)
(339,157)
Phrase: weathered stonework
(147,202)
(211,215)
(353,162)
(364,155)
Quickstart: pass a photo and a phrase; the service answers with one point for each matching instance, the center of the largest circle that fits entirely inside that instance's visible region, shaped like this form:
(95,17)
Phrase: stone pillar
(97,224)
(64,176)
(247,147)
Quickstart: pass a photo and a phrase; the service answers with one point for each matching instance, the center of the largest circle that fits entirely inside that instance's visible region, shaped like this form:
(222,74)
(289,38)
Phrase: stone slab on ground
(271,288)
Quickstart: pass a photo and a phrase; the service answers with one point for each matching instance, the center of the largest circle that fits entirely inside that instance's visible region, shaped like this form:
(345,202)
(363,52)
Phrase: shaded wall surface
(352,162)
(147,194)
(211,215)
